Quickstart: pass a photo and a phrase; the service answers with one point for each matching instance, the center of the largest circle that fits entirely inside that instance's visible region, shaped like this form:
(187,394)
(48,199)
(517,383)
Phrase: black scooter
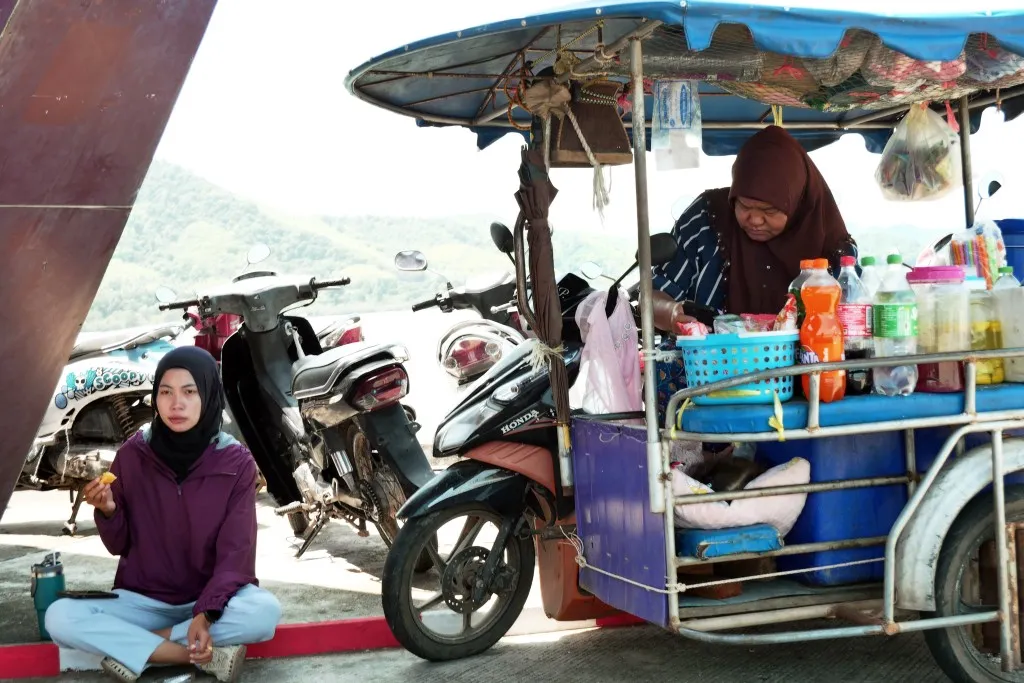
(326,427)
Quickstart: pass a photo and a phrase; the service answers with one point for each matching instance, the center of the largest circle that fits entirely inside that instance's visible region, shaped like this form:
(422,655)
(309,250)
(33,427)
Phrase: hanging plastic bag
(609,379)
(921,159)
(676,125)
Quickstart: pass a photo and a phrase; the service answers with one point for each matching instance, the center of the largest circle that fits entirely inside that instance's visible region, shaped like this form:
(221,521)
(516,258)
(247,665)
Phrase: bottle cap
(868,261)
(806,264)
(1007,270)
(894,259)
(820,264)
(848,261)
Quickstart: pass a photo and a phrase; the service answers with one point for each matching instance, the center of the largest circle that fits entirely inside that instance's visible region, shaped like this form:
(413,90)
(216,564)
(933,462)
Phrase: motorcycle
(326,426)
(470,348)
(504,432)
(101,399)
(213,331)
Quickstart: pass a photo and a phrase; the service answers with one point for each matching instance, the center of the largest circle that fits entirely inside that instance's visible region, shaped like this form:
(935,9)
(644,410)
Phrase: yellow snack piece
(108,478)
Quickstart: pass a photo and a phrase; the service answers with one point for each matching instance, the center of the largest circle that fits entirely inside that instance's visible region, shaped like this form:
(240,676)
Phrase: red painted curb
(290,640)
(323,637)
(29,661)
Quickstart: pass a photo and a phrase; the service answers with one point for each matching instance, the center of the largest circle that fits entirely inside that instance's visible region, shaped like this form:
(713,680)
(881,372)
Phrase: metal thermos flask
(47,582)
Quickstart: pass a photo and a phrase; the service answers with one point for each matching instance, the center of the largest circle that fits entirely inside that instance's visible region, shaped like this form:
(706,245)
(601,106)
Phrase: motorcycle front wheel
(468,626)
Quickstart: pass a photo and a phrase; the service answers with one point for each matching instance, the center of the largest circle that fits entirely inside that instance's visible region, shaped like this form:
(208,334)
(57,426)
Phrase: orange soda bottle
(821,334)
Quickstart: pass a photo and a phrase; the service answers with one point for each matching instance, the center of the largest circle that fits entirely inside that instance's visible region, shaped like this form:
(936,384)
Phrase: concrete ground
(339,578)
(611,655)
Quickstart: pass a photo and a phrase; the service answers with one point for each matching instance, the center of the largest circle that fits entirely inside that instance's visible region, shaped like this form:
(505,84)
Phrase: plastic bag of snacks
(756,322)
(920,161)
(786,319)
(729,324)
(692,329)
(980,251)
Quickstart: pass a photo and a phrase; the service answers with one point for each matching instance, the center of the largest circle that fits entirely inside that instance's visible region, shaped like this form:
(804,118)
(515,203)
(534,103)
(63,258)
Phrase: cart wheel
(956,650)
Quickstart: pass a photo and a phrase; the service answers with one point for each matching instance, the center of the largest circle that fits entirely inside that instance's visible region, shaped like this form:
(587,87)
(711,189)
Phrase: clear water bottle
(894,329)
(870,275)
(795,287)
(1006,279)
(855,316)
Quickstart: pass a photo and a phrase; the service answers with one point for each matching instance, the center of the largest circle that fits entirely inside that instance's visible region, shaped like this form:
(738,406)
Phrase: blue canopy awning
(460,78)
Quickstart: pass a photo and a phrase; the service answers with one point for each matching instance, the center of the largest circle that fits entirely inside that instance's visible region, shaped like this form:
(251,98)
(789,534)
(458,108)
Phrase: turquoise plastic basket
(720,356)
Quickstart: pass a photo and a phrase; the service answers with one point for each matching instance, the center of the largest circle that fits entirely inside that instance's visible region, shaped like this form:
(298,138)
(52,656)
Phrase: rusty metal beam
(87,89)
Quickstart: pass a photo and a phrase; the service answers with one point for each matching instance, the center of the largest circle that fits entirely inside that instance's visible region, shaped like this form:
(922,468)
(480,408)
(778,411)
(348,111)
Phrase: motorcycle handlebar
(331,283)
(179,304)
(424,305)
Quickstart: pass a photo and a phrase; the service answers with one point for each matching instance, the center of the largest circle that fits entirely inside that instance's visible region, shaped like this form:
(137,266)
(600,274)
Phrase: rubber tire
(397,600)
(971,528)
(299,522)
(424,563)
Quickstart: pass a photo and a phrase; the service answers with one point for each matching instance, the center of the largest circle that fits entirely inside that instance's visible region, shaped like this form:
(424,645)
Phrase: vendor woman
(740,246)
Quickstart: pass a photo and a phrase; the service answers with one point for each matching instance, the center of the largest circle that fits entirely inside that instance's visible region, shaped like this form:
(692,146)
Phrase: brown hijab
(772,167)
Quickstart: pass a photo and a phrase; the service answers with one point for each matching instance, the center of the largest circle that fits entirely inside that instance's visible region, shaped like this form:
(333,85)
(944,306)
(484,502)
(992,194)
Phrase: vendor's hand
(99,495)
(200,645)
(679,317)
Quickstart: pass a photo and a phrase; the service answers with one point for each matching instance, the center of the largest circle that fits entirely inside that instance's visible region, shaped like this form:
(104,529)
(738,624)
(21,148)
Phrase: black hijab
(180,450)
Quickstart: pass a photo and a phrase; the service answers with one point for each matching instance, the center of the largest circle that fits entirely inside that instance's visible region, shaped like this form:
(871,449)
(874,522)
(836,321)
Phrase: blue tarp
(789,29)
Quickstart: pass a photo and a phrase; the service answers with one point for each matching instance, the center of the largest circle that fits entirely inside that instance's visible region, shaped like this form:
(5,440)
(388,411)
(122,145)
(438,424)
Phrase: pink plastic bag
(609,380)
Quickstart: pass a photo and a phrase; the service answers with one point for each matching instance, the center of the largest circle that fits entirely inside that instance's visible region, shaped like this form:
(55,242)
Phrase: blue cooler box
(1013,238)
(852,513)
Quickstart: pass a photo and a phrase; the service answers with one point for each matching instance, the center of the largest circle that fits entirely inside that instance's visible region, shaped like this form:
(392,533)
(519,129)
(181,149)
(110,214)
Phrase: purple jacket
(179,544)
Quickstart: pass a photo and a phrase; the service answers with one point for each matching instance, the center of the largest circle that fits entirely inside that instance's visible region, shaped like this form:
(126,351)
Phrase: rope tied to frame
(542,355)
(547,98)
(672,588)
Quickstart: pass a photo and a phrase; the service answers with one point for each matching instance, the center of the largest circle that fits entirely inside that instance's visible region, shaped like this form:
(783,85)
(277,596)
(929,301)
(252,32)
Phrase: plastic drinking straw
(986,267)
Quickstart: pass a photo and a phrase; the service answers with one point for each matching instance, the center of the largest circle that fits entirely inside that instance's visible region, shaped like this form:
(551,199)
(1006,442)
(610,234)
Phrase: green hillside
(188,234)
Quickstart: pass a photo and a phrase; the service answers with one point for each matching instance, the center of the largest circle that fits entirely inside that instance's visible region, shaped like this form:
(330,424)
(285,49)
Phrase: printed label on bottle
(894,320)
(856,320)
(808,356)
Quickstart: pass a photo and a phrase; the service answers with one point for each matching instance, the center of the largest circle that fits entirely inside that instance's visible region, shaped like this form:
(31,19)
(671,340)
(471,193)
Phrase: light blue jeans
(123,628)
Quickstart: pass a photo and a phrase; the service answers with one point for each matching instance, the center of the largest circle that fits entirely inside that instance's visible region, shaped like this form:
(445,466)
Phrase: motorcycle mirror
(258,252)
(502,238)
(663,249)
(410,261)
(591,270)
(165,295)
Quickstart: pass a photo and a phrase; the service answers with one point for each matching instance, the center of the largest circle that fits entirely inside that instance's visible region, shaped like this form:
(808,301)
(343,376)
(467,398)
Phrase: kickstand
(70,527)
(312,533)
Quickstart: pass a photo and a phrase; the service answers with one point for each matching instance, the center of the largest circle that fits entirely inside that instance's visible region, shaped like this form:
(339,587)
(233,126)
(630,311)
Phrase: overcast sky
(265,113)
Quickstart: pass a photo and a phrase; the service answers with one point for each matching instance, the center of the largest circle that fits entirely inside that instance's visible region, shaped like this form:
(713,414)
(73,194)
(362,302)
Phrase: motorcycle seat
(94,342)
(316,375)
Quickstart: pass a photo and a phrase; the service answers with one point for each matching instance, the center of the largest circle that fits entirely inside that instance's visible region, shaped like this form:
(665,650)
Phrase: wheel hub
(459,580)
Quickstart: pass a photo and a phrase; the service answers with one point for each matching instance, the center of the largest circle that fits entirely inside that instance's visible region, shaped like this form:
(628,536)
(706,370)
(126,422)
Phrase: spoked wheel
(464,624)
(966,582)
(384,492)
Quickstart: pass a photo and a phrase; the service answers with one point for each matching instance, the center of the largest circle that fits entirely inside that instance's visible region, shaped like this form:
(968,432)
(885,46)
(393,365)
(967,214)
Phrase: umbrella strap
(601,191)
